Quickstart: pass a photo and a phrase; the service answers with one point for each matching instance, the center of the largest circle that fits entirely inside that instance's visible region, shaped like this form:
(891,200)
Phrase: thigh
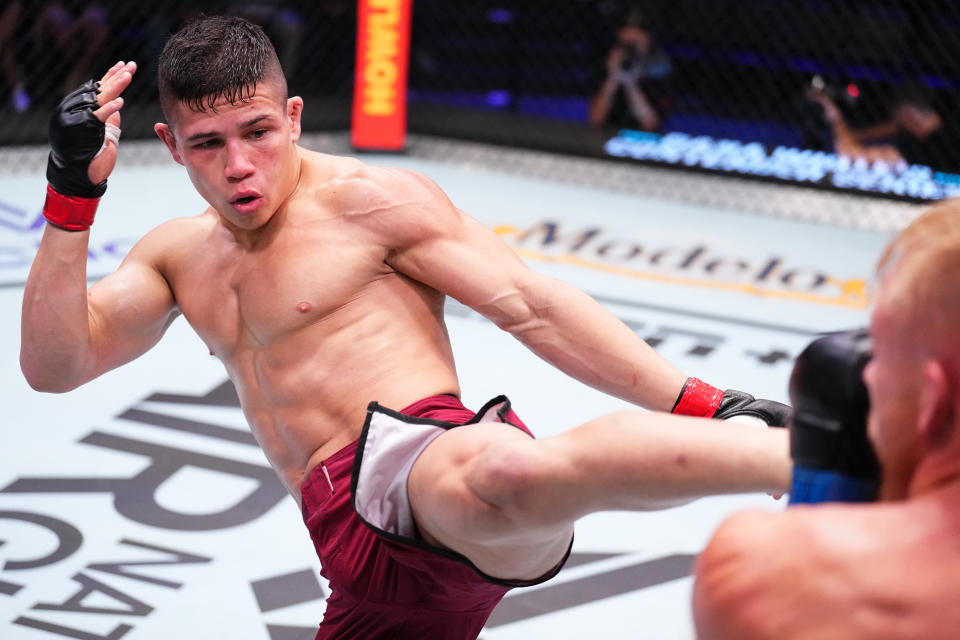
(455,490)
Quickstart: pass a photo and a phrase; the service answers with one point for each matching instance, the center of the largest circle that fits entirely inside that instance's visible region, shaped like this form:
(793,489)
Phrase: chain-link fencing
(49,48)
(854,95)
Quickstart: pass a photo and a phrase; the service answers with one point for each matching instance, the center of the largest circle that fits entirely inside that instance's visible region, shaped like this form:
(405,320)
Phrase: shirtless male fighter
(884,570)
(319,282)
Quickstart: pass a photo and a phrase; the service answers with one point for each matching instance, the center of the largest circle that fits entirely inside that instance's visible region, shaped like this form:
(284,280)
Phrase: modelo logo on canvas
(694,264)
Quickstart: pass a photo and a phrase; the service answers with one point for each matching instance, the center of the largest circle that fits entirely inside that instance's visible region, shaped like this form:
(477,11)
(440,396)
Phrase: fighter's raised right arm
(70,335)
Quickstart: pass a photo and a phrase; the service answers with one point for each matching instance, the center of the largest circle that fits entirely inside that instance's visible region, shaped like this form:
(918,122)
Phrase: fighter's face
(241,157)
(893,380)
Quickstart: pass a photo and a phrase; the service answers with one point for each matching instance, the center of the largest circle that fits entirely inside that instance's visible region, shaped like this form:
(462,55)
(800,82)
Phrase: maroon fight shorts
(385,581)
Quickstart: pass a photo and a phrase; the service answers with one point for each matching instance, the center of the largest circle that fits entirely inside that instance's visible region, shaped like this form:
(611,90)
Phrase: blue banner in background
(788,164)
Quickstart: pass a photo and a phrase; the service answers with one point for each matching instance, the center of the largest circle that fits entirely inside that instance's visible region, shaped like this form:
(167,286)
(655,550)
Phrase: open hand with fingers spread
(84,131)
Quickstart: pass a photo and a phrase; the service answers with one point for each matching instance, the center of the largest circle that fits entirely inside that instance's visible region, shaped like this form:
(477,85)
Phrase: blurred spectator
(11,16)
(913,133)
(71,32)
(625,98)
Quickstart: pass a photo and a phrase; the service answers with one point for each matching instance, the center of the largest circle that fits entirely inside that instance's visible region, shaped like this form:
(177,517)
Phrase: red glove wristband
(697,398)
(69,212)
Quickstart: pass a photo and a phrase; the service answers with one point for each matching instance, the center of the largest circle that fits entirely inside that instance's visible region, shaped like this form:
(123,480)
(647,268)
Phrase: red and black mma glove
(697,398)
(76,137)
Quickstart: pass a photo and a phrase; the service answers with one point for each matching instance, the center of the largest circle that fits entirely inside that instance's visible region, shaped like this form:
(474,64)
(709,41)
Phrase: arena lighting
(787,164)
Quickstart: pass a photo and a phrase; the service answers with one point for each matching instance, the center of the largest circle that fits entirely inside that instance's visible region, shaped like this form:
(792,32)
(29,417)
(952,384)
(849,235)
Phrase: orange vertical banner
(380,80)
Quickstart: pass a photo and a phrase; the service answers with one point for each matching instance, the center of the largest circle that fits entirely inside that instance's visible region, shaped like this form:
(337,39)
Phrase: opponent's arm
(70,335)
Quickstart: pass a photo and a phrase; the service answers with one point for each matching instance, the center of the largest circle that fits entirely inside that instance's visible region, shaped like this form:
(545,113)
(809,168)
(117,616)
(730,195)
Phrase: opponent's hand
(111,85)
(829,430)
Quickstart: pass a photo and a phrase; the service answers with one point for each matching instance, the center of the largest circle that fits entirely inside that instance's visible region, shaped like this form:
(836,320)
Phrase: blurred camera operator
(623,100)
(885,569)
(914,132)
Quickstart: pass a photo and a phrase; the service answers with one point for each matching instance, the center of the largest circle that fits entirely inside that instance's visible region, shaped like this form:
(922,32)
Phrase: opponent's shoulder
(732,578)
(778,575)
(743,537)
(815,534)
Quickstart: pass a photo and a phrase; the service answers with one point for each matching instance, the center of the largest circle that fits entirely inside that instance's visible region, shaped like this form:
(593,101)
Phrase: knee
(508,476)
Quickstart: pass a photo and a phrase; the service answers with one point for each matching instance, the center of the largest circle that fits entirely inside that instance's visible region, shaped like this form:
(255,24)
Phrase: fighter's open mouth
(245,199)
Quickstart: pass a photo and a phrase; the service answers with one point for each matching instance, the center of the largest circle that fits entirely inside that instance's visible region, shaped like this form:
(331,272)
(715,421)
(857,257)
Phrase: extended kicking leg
(508,502)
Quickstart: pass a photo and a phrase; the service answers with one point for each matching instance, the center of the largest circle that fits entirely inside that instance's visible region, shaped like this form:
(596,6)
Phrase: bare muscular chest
(235,298)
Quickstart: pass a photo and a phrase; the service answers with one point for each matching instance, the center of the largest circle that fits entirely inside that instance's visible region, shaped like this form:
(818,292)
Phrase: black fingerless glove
(76,136)
(829,431)
(698,398)
(738,403)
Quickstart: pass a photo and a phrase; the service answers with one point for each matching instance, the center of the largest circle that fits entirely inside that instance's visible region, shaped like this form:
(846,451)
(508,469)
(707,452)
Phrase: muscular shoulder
(800,574)
(394,198)
(165,245)
(402,212)
(739,563)
(767,575)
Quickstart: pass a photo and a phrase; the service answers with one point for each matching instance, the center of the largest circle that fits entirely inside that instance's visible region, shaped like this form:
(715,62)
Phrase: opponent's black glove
(829,430)
(76,136)
(698,398)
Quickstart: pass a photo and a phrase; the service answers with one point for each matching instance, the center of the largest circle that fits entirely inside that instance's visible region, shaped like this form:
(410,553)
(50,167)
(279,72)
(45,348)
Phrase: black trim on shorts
(422,544)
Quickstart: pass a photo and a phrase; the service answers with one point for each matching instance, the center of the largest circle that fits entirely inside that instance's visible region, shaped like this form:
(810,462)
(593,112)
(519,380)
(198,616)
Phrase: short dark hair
(213,58)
